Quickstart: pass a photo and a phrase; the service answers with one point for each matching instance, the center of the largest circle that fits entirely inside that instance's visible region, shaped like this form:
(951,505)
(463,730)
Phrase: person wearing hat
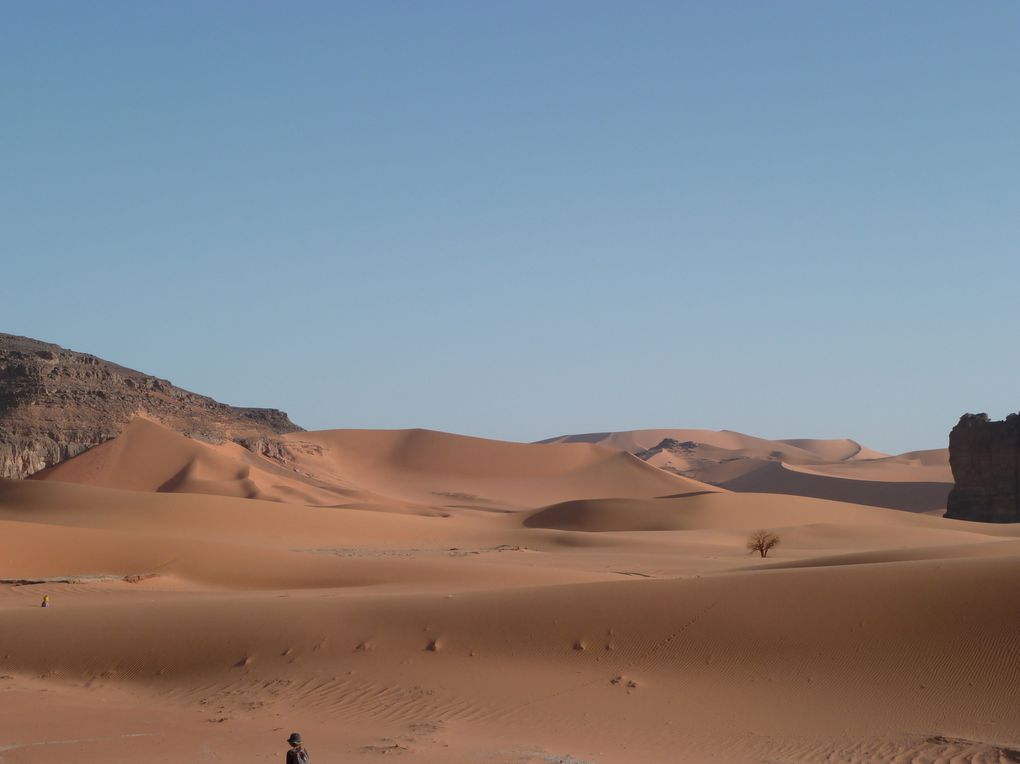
(297,753)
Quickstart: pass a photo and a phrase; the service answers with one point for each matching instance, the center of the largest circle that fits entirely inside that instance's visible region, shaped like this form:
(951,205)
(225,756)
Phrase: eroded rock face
(985,458)
(56,403)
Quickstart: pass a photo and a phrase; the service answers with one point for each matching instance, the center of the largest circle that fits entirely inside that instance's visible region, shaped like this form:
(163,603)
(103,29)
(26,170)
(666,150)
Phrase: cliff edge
(56,403)
(985,459)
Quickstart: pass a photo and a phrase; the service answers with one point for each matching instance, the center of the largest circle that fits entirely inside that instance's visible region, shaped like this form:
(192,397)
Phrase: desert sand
(437,598)
(838,469)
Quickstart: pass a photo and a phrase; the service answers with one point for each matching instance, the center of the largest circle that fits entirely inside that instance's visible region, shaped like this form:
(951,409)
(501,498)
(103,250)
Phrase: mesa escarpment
(56,403)
(985,457)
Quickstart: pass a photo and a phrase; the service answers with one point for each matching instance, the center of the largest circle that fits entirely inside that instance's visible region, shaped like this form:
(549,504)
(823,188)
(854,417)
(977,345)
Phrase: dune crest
(386,468)
(917,481)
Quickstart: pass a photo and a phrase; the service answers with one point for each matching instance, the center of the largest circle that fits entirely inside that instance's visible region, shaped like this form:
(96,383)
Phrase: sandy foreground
(431,598)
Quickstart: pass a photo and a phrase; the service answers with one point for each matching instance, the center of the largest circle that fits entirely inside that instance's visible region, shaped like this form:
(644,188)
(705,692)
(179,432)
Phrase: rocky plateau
(56,403)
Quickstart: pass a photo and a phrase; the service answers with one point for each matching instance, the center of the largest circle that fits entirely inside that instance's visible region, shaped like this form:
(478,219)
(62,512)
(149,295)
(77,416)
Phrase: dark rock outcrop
(985,458)
(56,403)
(672,445)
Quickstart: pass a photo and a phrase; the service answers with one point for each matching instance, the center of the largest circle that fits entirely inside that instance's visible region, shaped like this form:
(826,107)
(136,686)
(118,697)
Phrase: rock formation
(56,403)
(985,457)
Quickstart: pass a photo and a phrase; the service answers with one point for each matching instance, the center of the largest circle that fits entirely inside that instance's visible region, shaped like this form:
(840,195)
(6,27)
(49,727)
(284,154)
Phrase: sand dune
(731,510)
(777,478)
(420,471)
(413,470)
(56,530)
(835,450)
(794,451)
(450,599)
(423,465)
(684,669)
(919,481)
(150,457)
(916,466)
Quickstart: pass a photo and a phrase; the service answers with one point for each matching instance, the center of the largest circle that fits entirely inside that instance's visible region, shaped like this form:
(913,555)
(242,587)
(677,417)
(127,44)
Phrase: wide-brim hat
(294,739)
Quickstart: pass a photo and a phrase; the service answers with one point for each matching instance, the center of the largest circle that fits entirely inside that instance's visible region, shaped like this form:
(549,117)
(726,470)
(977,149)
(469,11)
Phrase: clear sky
(522,219)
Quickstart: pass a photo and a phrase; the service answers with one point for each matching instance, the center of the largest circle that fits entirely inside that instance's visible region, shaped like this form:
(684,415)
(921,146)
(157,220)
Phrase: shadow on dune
(775,478)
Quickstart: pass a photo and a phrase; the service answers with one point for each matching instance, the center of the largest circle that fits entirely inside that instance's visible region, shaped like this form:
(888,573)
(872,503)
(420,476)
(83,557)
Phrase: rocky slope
(56,403)
(985,457)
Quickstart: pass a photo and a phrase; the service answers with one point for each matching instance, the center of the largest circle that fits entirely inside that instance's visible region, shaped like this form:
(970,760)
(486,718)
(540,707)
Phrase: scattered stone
(385,749)
(135,578)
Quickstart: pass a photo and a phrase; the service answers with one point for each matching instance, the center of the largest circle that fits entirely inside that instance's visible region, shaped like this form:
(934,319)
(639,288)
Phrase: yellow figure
(46,600)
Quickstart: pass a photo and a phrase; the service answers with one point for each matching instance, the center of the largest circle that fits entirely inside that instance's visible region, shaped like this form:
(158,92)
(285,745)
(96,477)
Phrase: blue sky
(523,219)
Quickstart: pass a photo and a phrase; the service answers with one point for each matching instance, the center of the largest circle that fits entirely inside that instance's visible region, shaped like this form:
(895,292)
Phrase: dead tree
(761,542)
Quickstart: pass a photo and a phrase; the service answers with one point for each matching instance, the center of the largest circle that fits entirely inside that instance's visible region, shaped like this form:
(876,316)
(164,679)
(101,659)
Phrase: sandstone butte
(56,403)
(985,458)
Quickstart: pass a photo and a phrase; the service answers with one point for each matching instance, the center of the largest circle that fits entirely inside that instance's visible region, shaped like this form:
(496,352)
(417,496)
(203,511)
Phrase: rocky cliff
(985,457)
(56,403)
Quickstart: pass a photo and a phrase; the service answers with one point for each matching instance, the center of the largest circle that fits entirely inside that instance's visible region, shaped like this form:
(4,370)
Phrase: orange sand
(450,599)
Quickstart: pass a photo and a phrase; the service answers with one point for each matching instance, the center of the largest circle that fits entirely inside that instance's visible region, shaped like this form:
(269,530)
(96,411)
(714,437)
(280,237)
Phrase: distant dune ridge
(417,468)
(839,470)
(409,470)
